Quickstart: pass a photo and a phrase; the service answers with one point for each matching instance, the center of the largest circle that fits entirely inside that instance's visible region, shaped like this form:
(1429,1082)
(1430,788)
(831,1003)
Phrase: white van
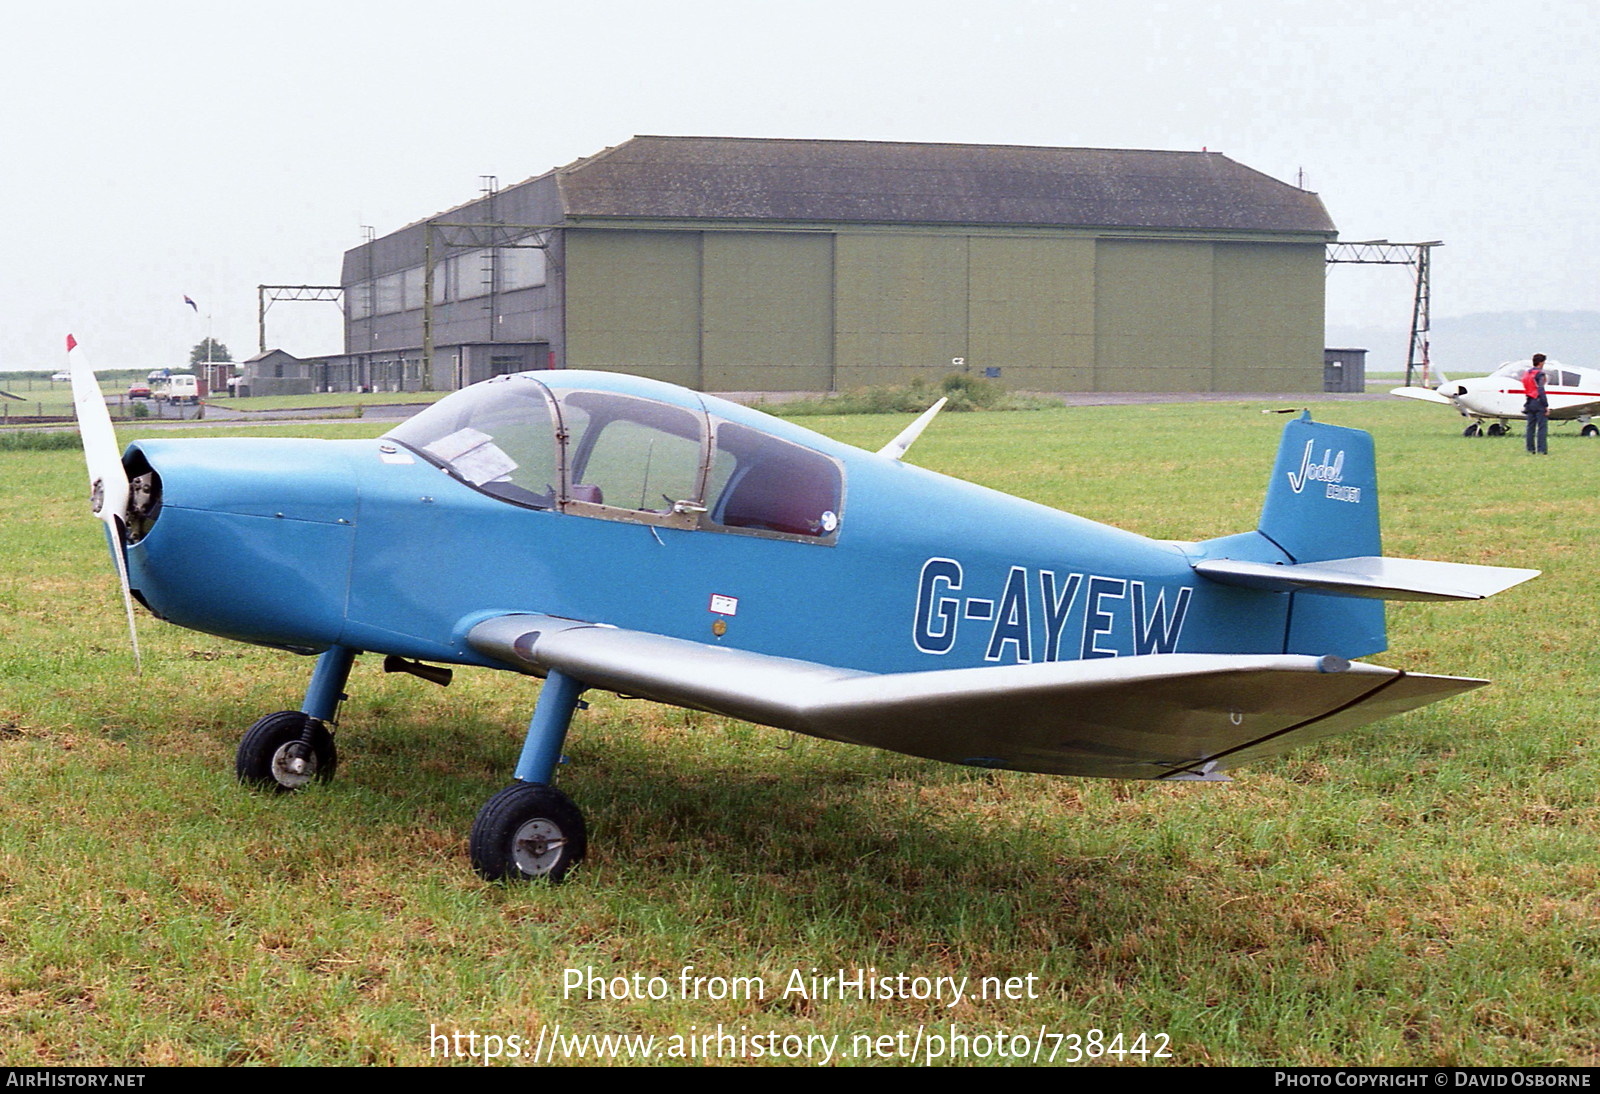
(181,387)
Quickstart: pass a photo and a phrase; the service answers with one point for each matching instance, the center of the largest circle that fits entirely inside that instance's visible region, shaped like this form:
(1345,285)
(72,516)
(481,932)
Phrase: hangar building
(730,264)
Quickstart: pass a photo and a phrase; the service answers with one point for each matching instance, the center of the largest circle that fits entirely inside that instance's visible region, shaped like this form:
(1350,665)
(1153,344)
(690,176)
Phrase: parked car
(139,391)
(61,378)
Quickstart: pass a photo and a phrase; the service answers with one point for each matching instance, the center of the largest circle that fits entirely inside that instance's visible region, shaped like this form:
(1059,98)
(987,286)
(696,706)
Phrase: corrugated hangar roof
(730,178)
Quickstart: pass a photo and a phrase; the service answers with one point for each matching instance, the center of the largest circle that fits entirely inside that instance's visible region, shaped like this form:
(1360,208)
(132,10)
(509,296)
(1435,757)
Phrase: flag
(192,304)
(72,343)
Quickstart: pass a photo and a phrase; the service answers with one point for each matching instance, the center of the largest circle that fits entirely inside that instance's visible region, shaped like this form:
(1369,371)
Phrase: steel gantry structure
(1380,252)
(267,295)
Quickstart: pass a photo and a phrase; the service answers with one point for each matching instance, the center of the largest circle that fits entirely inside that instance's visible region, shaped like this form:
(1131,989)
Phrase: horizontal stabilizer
(1151,716)
(1422,394)
(1372,577)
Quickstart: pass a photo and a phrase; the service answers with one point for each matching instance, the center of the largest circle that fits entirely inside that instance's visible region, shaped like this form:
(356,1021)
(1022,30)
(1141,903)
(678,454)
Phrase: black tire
(1590,430)
(1471,430)
(1498,430)
(528,832)
(272,755)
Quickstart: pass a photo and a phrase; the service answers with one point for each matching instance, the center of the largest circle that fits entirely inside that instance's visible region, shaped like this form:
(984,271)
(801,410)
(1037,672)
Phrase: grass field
(1420,892)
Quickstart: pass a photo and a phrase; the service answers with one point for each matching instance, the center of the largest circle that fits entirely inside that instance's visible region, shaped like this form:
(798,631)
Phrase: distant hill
(1473,344)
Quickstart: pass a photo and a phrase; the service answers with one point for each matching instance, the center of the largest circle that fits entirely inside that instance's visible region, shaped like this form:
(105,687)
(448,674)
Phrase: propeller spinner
(108,482)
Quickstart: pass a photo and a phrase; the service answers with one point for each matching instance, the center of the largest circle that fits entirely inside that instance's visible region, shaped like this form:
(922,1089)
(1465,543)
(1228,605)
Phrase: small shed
(275,372)
(1344,370)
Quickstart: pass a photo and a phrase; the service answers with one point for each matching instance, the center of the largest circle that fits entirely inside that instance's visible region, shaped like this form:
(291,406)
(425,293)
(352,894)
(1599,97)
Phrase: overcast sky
(152,150)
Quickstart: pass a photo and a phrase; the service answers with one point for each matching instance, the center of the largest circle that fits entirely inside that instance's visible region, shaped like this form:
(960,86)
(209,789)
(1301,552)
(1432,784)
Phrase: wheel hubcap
(537,847)
(294,765)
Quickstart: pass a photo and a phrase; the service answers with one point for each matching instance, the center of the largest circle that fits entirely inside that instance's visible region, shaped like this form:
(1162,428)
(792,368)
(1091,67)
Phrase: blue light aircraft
(609,532)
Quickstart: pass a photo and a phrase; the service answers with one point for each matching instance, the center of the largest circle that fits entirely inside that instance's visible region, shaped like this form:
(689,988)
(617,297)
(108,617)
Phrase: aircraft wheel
(1590,430)
(272,755)
(528,832)
(1471,430)
(1497,430)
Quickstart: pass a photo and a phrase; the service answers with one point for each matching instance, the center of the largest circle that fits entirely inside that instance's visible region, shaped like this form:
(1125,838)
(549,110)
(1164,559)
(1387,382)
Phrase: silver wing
(1375,577)
(1149,717)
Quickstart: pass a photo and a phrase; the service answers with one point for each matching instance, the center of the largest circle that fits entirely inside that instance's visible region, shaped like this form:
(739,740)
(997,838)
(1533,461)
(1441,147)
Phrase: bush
(37,440)
(963,390)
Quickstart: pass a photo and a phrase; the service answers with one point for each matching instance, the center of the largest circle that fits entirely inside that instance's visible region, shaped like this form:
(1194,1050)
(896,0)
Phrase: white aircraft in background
(1574,395)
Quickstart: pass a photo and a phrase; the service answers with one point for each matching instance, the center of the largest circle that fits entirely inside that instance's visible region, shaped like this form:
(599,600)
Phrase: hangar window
(522,266)
(411,284)
(471,274)
(391,295)
(358,298)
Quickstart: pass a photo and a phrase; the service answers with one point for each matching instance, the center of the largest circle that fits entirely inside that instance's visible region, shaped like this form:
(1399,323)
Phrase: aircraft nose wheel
(528,832)
(276,755)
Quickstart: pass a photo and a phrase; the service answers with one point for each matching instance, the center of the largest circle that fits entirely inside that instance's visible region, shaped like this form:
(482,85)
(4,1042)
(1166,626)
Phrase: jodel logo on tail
(1330,471)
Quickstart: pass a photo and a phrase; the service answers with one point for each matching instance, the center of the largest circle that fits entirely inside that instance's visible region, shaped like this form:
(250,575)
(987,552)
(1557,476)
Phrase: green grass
(1421,892)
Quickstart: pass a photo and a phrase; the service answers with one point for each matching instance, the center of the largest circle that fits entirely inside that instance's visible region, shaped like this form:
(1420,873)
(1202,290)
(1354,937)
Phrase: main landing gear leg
(531,830)
(287,750)
(326,690)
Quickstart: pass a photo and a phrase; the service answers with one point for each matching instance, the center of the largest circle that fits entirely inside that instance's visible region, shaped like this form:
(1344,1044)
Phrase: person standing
(1536,406)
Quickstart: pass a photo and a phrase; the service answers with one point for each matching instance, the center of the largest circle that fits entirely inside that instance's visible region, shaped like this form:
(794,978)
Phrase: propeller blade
(108,481)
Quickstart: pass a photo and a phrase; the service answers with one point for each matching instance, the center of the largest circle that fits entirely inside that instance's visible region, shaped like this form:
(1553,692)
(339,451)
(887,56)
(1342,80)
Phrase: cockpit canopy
(1555,373)
(620,455)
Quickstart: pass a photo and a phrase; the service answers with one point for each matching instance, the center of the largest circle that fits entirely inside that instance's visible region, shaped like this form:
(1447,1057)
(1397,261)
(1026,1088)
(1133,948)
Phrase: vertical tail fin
(1322,501)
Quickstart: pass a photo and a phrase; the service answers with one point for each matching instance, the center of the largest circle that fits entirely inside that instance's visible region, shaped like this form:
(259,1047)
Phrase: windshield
(498,436)
(1513,370)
